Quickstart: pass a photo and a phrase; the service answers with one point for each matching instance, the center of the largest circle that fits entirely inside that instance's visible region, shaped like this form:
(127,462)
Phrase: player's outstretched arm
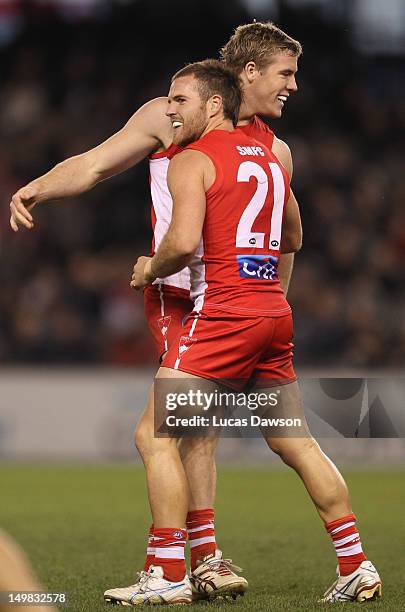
(189,176)
(143,134)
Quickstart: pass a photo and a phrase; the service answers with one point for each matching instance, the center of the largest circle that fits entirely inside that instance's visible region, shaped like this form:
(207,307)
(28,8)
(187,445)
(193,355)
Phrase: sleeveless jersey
(162,204)
(162,207)
(235,267)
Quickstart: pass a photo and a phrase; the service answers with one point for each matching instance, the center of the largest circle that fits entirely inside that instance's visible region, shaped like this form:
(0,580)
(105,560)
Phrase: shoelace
(223,564)
(146,578)
(142,577)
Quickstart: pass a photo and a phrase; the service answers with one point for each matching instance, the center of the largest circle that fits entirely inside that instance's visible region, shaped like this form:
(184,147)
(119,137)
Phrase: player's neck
(246,113)
(218,124)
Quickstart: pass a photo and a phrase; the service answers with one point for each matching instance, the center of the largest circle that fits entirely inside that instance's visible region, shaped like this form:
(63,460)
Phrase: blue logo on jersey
(262,267)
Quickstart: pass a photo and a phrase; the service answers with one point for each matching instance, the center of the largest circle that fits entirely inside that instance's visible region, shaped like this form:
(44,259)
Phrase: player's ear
(215,105)
(249,72)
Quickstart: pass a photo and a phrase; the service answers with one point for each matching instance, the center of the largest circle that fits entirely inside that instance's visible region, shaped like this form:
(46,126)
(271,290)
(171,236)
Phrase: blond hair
(257,42)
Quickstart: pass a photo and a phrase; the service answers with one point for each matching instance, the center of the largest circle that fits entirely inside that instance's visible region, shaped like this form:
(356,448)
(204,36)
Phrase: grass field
(84,529)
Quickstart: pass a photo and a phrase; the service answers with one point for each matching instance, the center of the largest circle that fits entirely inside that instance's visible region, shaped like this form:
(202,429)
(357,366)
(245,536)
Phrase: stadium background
(75,353)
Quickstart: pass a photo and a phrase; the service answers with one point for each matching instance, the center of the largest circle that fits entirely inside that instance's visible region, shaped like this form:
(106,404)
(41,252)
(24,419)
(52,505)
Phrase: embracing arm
(140,136)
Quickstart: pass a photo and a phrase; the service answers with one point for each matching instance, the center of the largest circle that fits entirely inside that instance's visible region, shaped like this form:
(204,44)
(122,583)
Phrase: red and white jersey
(162,207)
(162,204)
(235,267)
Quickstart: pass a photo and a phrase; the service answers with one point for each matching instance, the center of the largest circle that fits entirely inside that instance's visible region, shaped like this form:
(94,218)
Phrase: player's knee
(291,450)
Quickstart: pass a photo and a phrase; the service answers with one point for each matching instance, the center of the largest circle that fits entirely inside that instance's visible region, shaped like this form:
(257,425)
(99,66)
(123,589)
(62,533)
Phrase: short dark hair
(257,42)
(214,78)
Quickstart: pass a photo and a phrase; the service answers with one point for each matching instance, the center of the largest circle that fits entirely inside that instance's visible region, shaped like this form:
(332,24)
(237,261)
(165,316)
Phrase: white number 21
(244,235)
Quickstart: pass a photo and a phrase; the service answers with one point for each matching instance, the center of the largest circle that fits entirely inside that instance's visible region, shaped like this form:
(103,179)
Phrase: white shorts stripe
(345,526)
(193,326)
(150,550)
(162,307)
(194,323)
(198,541)
(173,552)
(345,540)
(201,528)
(350,550)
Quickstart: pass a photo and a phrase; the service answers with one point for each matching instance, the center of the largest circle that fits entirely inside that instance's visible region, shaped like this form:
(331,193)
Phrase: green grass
(84,529)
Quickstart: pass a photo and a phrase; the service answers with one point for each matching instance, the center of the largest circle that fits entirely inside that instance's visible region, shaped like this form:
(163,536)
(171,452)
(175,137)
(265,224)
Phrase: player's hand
(142,274)
(22,202)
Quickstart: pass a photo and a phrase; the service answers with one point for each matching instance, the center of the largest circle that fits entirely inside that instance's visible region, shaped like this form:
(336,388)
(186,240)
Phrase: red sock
(201,535)
(150,551)
(169,552)
(347,543)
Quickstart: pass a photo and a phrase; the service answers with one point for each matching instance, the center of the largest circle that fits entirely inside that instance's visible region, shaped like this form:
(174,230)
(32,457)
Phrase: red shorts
(227,347)
(165,309)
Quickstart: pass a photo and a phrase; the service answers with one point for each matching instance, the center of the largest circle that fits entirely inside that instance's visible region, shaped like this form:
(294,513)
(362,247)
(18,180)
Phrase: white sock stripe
(347,539)
(350,550)
(345,526)
(179,542)
(173,552)
(198,541)
(201,528)
(150,550)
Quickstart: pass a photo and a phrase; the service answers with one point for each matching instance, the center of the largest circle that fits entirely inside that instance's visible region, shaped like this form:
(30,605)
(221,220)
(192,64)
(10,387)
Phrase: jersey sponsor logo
(164,323)
(262,267)
(185,343)
(250,151)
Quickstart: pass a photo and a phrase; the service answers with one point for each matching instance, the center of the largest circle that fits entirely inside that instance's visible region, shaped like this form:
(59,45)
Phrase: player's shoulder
(152,115)
(156,104)
(153,109)
(188,158)
(283,153)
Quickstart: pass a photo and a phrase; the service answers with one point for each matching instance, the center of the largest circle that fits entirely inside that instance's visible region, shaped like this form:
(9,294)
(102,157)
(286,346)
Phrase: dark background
(72,73)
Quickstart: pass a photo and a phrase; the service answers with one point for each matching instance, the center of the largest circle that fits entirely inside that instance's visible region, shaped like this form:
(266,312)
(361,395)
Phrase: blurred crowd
(65,296)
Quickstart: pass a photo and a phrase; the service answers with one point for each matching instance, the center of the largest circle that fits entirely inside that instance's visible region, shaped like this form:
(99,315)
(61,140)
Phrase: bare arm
(286,263)
(146,131)
(291,236)
(190,174)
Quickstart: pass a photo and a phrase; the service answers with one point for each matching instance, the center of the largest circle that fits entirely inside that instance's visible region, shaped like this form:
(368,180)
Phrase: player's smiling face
(270,87)
(186,111)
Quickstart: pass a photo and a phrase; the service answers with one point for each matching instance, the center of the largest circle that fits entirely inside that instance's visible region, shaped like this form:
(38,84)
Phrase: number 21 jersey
(235,267)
